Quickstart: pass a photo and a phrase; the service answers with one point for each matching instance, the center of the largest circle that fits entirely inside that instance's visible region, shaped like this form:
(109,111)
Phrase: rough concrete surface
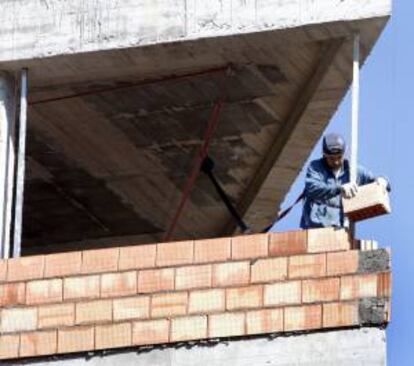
(374,261)
(373,311)
(35,28)
(365,347)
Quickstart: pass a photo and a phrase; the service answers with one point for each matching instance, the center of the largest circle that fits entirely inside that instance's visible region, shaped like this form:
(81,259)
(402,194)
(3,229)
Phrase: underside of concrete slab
(120,94)
(357,347)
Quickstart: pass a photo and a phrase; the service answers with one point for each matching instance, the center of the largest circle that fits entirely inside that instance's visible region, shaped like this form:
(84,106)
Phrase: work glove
(349,190)
(382,182)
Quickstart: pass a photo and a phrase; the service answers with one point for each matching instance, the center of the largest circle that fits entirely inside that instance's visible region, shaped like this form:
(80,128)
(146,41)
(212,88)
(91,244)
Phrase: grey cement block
(364,347)
(374,261)
(373,311)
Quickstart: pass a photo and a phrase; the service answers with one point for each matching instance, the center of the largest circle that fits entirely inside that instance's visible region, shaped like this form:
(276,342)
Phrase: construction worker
(327,180)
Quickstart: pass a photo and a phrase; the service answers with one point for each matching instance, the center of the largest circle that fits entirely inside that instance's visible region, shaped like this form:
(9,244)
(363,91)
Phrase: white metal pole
(4,131)
(7,117)
(355,110)
(21,154)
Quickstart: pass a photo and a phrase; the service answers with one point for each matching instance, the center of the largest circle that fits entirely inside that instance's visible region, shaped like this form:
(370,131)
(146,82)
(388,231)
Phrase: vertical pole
(7,117)
(20,168)
(355,110)
(355,120)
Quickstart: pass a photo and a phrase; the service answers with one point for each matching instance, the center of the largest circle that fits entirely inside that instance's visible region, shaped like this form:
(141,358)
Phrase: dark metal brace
(207,167)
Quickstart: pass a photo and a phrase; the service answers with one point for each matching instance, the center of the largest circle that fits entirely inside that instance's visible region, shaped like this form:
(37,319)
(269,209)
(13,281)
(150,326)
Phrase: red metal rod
(198,159)
(130,85)
(211,127)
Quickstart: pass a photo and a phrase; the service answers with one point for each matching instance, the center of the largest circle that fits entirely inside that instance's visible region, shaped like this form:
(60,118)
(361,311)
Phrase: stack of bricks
(190,290)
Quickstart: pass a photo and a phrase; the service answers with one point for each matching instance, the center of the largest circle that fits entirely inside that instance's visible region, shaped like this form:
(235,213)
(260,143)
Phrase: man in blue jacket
(327,180)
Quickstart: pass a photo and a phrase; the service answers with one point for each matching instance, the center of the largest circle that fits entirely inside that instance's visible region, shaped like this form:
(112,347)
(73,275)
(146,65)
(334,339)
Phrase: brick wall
(190,290)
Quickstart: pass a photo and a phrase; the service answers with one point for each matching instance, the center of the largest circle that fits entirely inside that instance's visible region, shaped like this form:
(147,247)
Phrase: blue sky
(386,137)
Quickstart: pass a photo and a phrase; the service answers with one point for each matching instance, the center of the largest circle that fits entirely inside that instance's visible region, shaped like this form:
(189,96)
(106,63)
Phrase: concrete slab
(35,28)
(357,347)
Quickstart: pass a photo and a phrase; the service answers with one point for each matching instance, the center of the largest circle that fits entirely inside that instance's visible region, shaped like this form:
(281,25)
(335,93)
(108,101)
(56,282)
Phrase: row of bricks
(184,278)
(197,302)
(126,334)
(173,254)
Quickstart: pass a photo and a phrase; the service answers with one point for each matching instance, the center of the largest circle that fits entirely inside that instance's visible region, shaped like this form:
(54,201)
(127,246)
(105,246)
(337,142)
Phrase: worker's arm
(316,188)
(365,177)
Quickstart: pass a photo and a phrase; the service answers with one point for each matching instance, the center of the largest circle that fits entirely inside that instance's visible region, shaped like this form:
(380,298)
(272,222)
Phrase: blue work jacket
(322,206)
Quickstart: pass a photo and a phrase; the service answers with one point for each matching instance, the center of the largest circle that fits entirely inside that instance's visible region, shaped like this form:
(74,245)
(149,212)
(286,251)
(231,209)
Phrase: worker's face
(334,161)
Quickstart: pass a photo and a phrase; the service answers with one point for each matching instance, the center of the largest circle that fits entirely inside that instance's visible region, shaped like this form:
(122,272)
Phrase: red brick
(267,270)
(327,240)
(188,328)
(340,315)
(166,305)
(326,289)
(12,294)
(150,332)
(244,297)
(384,284)
(44,291)
(212,250)
(93,311)
(229,274)
(131,308)
(137,257)
(63,264)
(207,301)
(171,254)
(86,287)
(3,270)
(193,277)
(264,321)
(38,343)
(156,280)
(226,325)
(302,318)
(342,262)
(250,246)
(76,339)
(9,346)
(307,266)
(113,336)
(25,268)
(283,293)
(119,284)
(287,243)
(18,319)
(100,260)
(52,316)
(372,200)
(353,287)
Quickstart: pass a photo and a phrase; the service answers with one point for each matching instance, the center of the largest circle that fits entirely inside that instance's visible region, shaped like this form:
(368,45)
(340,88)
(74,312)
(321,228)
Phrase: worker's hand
(382,181)
(349,190)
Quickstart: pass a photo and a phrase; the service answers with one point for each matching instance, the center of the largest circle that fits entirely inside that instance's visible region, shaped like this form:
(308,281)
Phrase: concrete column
(7,158)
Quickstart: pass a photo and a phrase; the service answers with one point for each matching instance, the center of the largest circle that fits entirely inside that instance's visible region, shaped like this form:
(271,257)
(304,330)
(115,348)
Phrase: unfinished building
(123,99)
